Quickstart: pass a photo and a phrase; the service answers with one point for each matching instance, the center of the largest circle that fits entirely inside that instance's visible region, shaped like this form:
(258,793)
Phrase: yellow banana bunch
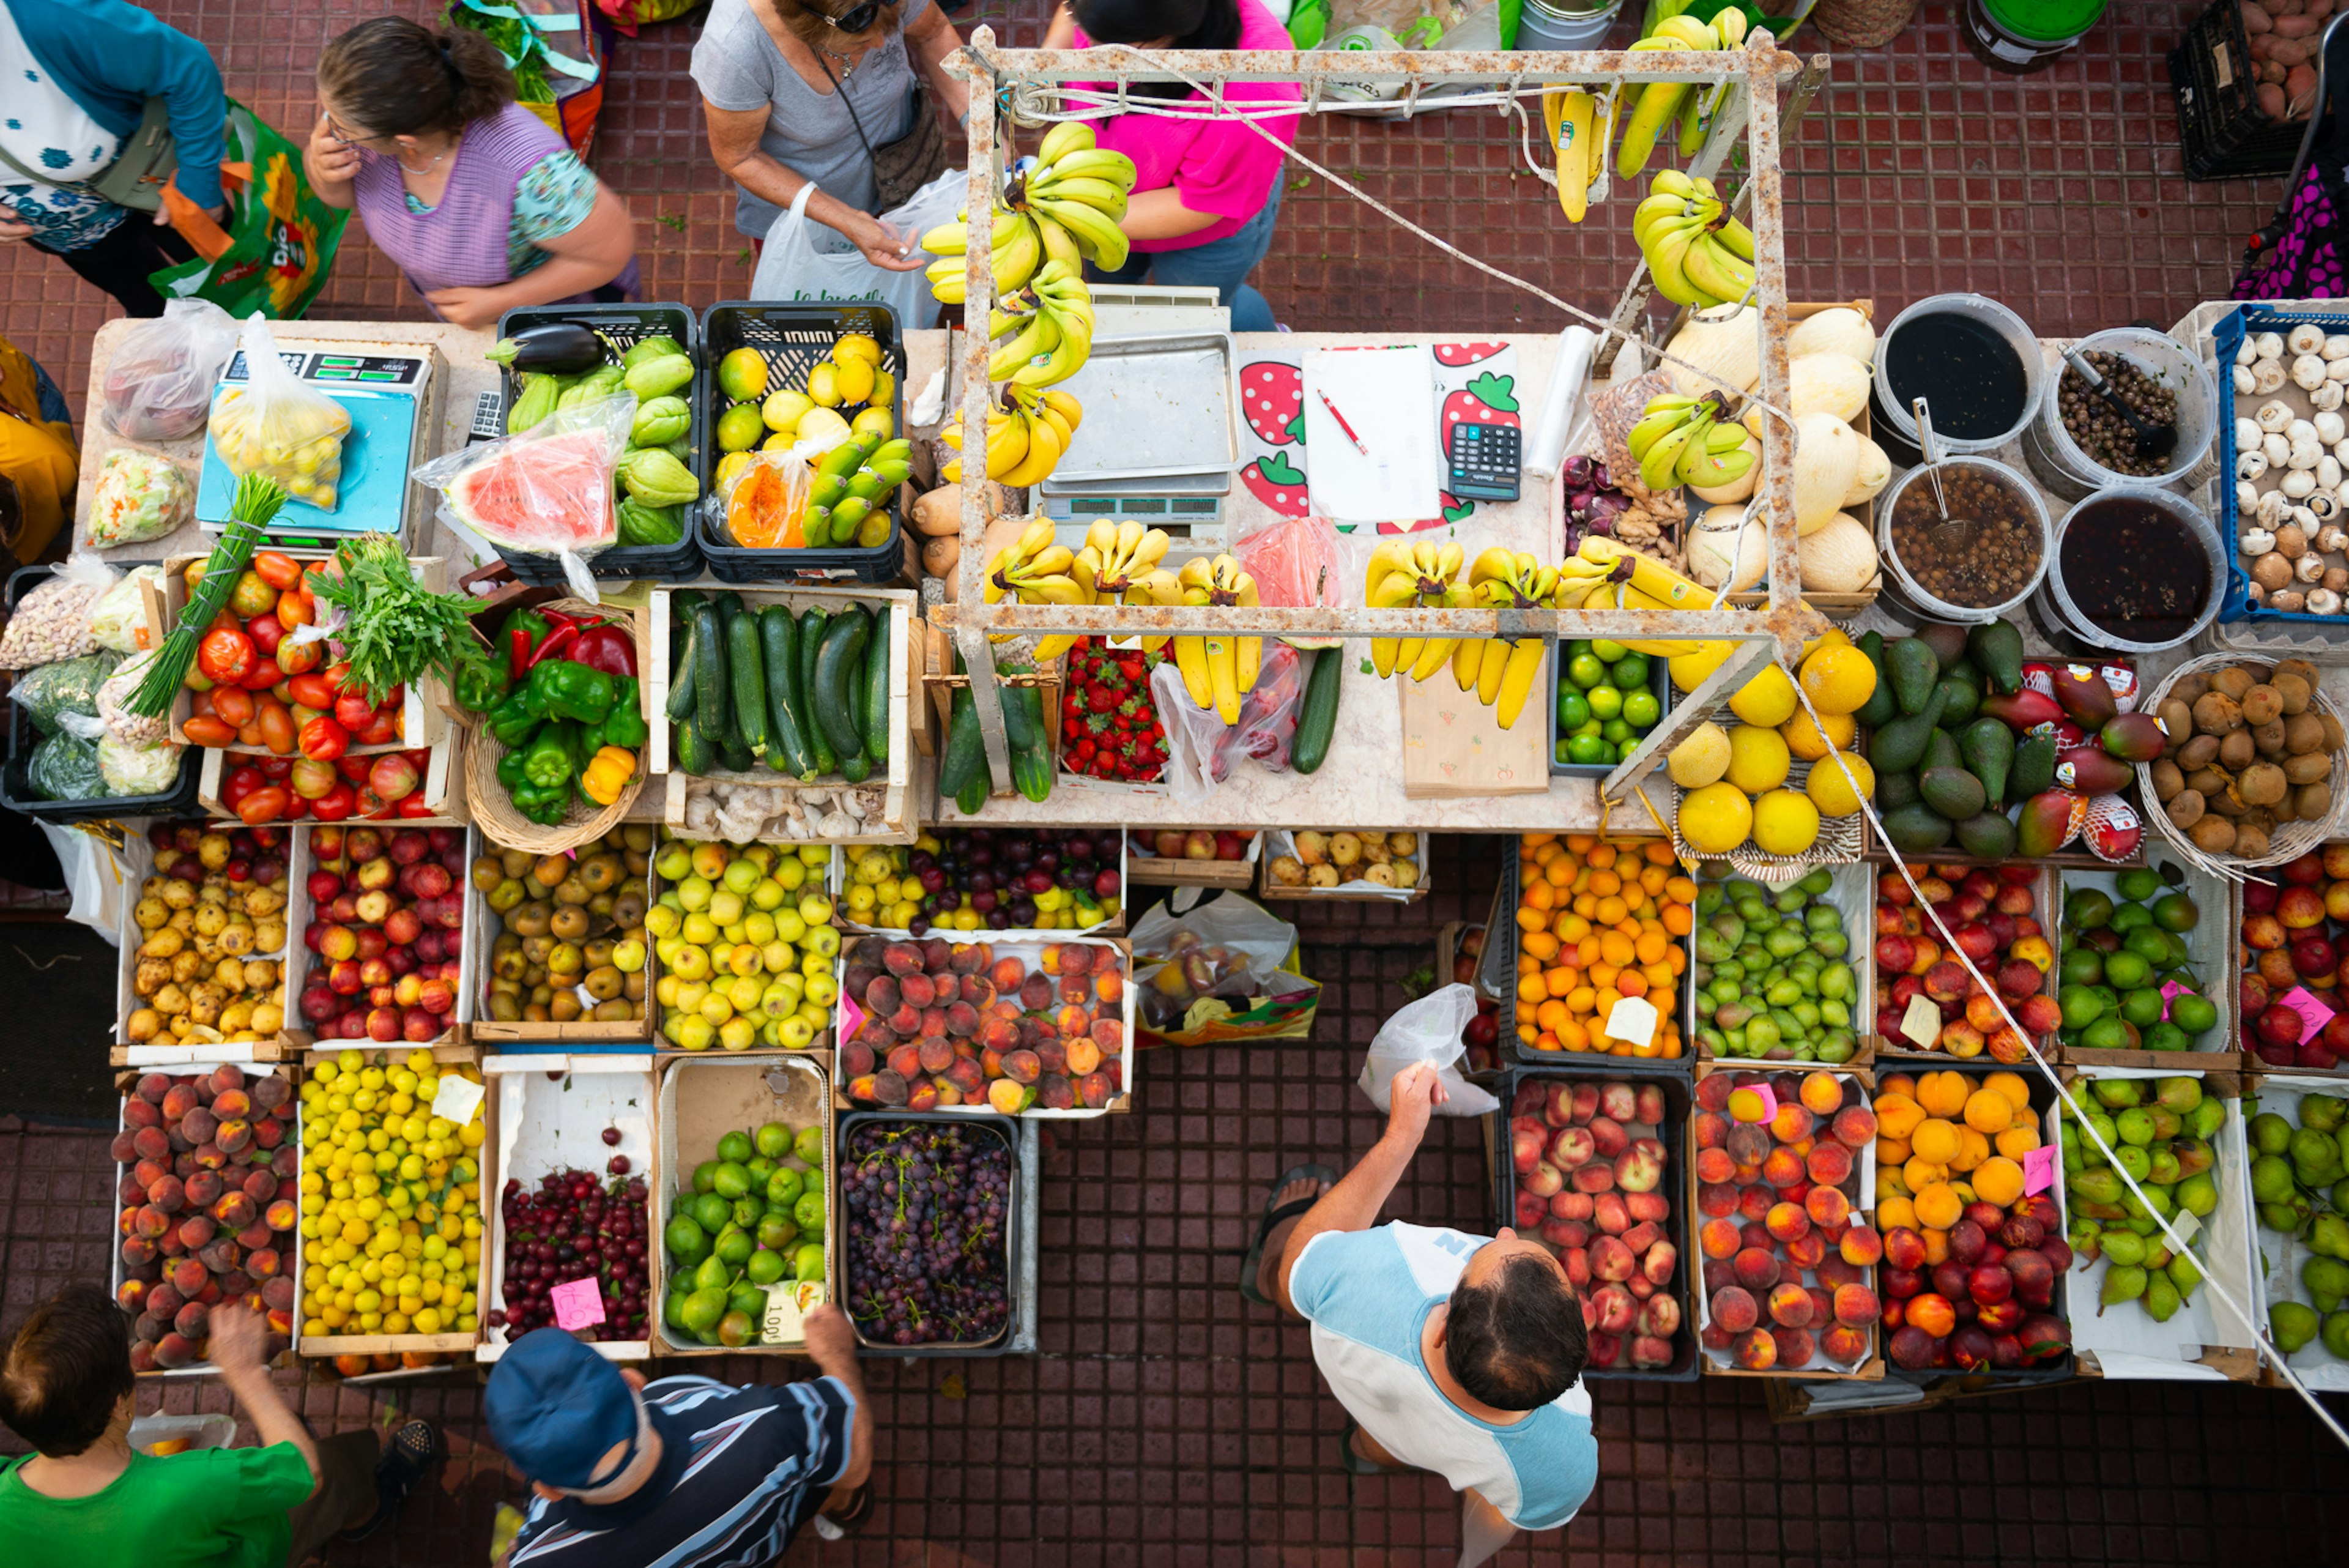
(1568,115)
(1502,672)
(1064,301)
(1077,195)
(1025,438)
(1661,100)
(1405,573)
(1699,255)
(1217,670)
(1017,251)
(1038,571)
(1007,445)
(1117,554)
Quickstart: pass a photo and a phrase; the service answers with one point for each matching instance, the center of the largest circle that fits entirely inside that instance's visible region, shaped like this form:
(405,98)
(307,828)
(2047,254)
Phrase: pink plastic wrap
(1295,563)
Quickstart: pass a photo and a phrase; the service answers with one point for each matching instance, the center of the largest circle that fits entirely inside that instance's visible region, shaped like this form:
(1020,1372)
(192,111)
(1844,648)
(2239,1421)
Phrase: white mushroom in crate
(2322,601)
(2298,483)
(2328,397)
(2308,372)
(2275,449)
(2246,350)
(2305,520)
(2247,497)
(2305,339)
(2269,345)
(2251,464)
(2331,539)
(2329,426)
(2246,383)
(2328,473)
(2267,375)
(2275,416)
(2309,569)
(2273,511)
(2336,370)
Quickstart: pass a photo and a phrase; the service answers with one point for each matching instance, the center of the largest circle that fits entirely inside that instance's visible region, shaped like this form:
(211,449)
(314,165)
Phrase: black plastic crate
(2221,131)
(991,1122)
(623,326)
(792,338)
(1672,1133)
(16,782)
(1659,682)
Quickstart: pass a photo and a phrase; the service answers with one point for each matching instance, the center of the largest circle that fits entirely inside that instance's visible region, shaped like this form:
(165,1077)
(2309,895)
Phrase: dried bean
(1989,568)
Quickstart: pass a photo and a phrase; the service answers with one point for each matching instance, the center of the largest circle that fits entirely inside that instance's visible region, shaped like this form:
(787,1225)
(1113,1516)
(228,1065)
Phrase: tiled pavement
(1165,1422)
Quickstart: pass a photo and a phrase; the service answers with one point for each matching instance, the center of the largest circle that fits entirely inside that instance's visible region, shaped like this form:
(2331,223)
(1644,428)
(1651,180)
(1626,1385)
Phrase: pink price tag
(578,1303)
(1762,1095)
(2038,1167)
(2313,1015)
(2170,992)
(851,1017)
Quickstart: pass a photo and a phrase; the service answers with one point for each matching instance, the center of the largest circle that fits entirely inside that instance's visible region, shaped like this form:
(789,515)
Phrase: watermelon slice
(548,495)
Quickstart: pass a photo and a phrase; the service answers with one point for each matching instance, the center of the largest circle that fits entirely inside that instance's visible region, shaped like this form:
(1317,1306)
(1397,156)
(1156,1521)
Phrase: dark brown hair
(808,22)
(68,1368)
(1517,1342)
(396,78)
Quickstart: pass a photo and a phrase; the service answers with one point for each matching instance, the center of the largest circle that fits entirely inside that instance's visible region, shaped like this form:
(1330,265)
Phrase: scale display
(380,391)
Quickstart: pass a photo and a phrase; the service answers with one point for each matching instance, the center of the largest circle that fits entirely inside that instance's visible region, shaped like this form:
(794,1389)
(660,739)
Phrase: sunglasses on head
(856,19)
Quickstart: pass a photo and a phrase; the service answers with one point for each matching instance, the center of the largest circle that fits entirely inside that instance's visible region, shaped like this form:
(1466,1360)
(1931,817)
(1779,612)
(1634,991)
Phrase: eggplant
(558,347)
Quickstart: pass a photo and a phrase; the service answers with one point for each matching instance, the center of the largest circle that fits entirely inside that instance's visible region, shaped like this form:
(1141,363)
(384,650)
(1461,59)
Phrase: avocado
(2033,768)
(1941,752)
(1953,792)
(1900,747)
(1964,697)
(1916,828)
(1988,748)
(1879,710)
(1948,642)
(1894,790)
(1990,836)
(1996,648)
(1914,670)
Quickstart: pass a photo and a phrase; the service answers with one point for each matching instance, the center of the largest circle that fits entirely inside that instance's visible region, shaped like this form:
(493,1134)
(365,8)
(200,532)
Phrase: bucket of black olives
(2079,443)
(1986,559)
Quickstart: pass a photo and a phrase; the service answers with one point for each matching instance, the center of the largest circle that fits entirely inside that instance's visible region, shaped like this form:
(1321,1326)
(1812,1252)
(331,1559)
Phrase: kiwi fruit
(2217,713)
(2238,751)
(2213,836)
(2185,808)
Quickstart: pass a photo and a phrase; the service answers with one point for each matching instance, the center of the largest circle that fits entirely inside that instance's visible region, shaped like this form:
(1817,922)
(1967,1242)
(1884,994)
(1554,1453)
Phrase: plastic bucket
(2071,630)
(1893,417)
(1560,26)
(2023,36)
(2057,458)
(1910,605)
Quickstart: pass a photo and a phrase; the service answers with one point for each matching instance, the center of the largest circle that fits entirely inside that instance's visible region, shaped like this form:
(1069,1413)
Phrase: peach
(1828,1164)
(1109,1033)
(1572,1206)
(1607,1210)
(1657,1266)
(1617,1306)
(1756,1233)
(1826,1205)
(1007,974)
(1035,992)
(1716,1198)
(1572,1148)
(1790,1305)
(1000,1035)
(1072,1020)
(1711,1129)
(1856,1305)
(1822,1094)
(1805,1251)
(1755,1201)
(1566,1235)
(1783,1168)
(1733,1310)
(917,990)
(1096,1089)
(1659,1316)
(1075,990)
(1576,1264)
(921,1094)
(1755,1350)
(1056,1093)
(1544,1179)
(1747,1145)
(1902,1248)
(1855,1127)
(1596,1177)
(1932,1312)
(1718,1238)
(1641,1237)
(1792,1124)
(1645,1206)
(1833,1270)
(1712,1092)
(1010,1096)
(1794,1346)
(1611,1259)
(1641,1168)
(1845,1343)
(1084,1055)
(1755,1269)
(1608,1137)
(1787,1222)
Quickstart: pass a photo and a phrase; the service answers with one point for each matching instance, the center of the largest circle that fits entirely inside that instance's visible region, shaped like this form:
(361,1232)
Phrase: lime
(1606,702)
(1573,709)
(1589,727)
(1640,709)
(1629,670)
(702,1309)
(740,428)
(1561,755)
(1609,652)
(1586,671)
(1588,748)
(734,1147)
(773,1139)
(783,1188)
(764,1267)
(743,374)
(1618,733)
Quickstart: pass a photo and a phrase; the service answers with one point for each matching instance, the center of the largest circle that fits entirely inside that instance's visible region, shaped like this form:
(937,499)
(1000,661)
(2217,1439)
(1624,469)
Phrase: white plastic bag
(1195,738)
(791,268)
(278,426)
(118,619)
(139,496)
(1427,1031)
(158,385)
(547,491)
(96,876)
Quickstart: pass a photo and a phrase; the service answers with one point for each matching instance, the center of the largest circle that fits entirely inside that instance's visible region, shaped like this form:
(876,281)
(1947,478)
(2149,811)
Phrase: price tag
(1755,1103)
(578,1303)
(788,1304)
(457,1098)
(2313,1015)
(1633,1019)
(1922,1022)
(2185,1222)
(2039,1167)
(2170,992)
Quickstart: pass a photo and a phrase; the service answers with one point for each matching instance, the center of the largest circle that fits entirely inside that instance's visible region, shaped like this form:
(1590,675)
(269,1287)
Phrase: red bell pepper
(552,646)
(324,740)
(607,648)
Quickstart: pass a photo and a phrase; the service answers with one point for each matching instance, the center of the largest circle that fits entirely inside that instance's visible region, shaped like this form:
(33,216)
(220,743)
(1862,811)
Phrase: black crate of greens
(792,339)
(16,792)
(2221,129)
(1659,682)
(978,1127)
(1672,1133)
(622,327)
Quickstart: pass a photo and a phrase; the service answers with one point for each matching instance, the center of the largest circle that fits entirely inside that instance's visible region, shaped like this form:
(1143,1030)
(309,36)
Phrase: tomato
(372,805)
(265,805)
(263,675)
(334,804)
(225,656)
(294,657)
(279,570)
(248,734)
(294,609)
(381,729)
(265,632)
(227,620)
(296,808)
(195,681)
(325,740)
(252,595)
(312,777)
(241,781)
(204,730)
(312,690)
(419,758)
(353,768)
(414,806)
(277,768)
(234,703)
(353,712)
(338,676)
(277,728)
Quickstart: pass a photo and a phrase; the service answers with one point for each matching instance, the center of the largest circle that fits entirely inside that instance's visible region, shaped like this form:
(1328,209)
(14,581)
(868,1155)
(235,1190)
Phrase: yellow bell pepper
(607,774)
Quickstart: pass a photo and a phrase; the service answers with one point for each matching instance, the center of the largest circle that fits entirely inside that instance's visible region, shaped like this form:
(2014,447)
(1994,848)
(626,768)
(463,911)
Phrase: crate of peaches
(1926,1003)
(1598,920)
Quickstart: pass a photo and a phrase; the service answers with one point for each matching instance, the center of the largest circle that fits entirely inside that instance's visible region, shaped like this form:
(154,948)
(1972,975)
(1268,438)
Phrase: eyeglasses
(856,19)
(335,133)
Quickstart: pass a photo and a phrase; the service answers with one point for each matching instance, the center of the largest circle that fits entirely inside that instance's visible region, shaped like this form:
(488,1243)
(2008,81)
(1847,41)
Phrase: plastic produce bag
(118,619)
(762,505)
(130,728)
(1296,564)
(1195,738)
(158,385)
(98,879)
(1427,1031)
(277,425)
(545,492)
(792,269)
(130,770)
(68,685)
(52,622)
(65,767)
(1268,726)
(139,496)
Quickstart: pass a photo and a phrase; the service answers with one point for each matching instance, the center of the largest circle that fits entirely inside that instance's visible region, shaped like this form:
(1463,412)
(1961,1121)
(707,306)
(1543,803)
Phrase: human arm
(1354,1203)
(1063,33)
(929,42)
(831,1345)
(734,141)
(585,256)
(330,166)
(116,51)
(1160,214)
(238,1339)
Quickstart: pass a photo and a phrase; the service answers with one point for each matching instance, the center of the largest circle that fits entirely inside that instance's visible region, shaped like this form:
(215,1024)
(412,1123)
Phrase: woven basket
(1842,841)
(1862,24)
(2291,841)
(494,810)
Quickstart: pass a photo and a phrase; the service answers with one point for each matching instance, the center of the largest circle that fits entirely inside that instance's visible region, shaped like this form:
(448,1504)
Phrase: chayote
(655,478)
(660,420)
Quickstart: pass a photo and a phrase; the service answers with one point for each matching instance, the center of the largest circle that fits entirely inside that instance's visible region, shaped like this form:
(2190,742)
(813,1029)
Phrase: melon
(550,495)
(1838,558)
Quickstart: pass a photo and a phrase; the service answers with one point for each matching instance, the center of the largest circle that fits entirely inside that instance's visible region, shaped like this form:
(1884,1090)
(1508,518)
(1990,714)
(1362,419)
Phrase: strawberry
(1100,698)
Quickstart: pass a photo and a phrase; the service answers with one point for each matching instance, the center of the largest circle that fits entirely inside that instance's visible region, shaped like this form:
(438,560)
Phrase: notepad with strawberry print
(1476,382)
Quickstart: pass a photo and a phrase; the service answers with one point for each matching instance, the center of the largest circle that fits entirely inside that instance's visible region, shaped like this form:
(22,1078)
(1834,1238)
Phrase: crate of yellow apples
(1767,783)
(1353,862)
(1600,923)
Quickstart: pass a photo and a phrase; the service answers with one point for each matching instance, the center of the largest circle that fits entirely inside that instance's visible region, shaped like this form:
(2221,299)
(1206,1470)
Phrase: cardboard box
(2044,908)
(1454,745)
(165,1052)
(2211,954)
(1851,893)
(1279,842)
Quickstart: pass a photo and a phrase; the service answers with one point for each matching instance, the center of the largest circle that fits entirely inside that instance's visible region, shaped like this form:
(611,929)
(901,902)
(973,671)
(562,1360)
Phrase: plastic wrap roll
(1547,451)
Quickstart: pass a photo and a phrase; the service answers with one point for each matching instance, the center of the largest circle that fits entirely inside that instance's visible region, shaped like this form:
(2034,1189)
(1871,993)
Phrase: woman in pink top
(1207,192)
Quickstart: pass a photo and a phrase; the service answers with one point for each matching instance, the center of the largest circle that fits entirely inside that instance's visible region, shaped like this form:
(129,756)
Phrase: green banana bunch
(1687,440)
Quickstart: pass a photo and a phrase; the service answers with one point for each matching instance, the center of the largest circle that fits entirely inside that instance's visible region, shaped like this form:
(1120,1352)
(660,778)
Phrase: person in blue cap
(682,1472)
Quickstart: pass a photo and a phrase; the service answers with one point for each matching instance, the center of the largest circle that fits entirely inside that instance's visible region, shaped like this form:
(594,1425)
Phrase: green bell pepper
(572,690)
(482,683)
(517,717)
(510,771)
(550,763)
(624,725)
(544,806)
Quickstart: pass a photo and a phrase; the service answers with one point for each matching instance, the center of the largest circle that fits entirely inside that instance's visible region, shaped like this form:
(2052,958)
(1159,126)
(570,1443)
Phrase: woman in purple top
(481,205)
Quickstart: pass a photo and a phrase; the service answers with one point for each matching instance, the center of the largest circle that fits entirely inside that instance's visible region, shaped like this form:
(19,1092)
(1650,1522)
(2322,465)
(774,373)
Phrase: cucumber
(681,686)
(708,673)
(694,754)
(966,752)
(746,670)
(786,746)
(1024,735)
(810,641)
(1319,716)
(835,660)
(876,691)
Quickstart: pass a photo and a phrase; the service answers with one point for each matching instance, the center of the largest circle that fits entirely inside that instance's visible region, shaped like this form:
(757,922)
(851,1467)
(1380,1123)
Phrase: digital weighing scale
(390,391)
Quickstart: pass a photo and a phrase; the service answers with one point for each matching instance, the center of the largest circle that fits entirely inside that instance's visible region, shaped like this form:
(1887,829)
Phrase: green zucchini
(694,754)
(681,685)
(746,670)
(966,752)
(835,660)
(786,746)
(810,641)
(1319,716)
(876,690)
(1024,735)
(856,769)
(708,673)
(856,693)
(735,754)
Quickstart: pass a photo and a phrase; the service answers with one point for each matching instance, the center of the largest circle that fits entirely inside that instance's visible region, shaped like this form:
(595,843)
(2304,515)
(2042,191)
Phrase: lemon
(1757,759)
(885,390)
(856,345)
(1690,668)
(782,410)
(1715,819)
(740,428)
(732,463)
(822,424)
(823,385)
(1766,701)
(743,376)
(1804,739)
(1838,680)
(874,422)
(1701,758)
(1785,823)
(1831,792)
(853,380)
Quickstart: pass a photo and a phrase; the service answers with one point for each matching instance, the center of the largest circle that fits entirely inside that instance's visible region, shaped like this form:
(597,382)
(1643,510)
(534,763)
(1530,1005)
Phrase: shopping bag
(279,426)
(1427,1031)
(95,876)
(557,50)
(274,252)
(1248,988)
(793,267)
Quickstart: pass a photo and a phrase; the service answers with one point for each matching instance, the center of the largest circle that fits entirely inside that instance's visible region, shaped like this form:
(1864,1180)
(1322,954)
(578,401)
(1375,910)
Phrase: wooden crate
(483,927)
(424,714)
(443,786)
(838,882)
(299,912)
(165,1052)
(1852,894)
(1281,841)
(1160,871)
(941,681)
(2214,957)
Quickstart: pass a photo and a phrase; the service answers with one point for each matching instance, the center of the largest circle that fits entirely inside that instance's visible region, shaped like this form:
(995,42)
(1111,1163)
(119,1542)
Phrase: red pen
(1341,422)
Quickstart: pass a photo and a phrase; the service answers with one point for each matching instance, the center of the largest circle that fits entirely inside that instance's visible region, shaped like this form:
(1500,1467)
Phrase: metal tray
(1165,405)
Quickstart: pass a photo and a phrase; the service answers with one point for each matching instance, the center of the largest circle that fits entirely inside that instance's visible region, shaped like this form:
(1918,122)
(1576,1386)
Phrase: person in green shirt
(87,1497)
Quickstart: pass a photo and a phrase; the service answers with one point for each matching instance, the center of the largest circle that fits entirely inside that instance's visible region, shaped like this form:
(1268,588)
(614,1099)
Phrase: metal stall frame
(1748,81)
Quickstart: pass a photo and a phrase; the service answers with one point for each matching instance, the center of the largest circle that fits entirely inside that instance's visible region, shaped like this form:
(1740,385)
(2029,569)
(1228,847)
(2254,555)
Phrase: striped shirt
(742,1470)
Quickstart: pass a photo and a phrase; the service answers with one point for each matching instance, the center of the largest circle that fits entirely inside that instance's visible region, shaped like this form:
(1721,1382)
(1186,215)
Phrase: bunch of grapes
(927,1214)
(573,1228)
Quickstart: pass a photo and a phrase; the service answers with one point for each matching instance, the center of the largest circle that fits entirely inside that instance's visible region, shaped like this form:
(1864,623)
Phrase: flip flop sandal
(1254,1261)
(1357,1465)
(406,1458)
(850,1519)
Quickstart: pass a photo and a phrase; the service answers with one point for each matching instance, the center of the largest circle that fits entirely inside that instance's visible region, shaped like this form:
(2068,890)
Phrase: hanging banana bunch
(1501,672)
(1037,571)
(1217,670)
(1077,194)
(1026,436)
(1408,574)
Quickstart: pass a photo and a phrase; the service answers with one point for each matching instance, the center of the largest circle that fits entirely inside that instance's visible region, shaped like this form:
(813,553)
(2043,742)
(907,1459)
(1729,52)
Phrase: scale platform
(389,390)
(1187,505)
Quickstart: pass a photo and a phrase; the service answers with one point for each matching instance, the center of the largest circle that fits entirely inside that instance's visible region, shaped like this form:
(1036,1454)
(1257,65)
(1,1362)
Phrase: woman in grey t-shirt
(773,75)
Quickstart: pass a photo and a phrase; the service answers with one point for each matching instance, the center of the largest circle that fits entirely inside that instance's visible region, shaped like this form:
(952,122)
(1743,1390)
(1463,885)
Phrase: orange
(1939,1206)
(1998,1180)
(1943,1094)
(1989,1110)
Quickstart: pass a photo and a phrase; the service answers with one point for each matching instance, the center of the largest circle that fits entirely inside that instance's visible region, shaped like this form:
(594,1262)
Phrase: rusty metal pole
(978,301)
(1777,488)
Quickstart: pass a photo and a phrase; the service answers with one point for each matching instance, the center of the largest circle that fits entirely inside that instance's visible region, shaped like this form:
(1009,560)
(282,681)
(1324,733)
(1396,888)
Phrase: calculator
(1484,460)
(489,418)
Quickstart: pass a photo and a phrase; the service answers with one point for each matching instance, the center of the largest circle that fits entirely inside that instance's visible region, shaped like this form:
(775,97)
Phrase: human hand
(11,230)
(1414,1093)
(885,247)
(329,160)
(475,307)
(217,215)
(239,1337)
(831,1342)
